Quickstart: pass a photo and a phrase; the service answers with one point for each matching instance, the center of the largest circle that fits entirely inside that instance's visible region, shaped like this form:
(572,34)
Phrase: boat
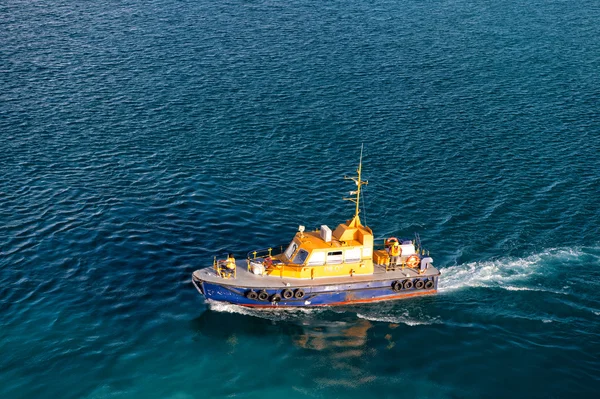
(323,267)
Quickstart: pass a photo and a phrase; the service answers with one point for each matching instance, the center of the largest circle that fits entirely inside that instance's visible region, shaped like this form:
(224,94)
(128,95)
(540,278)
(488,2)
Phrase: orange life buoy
(389,241)
(412,261)
(268,261)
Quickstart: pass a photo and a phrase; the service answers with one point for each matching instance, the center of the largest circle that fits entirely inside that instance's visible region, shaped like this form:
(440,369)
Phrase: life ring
(268,262)
(408,284)
(251,295)
(396,285)
(263,295)
(287,293)
(388,242)
(299,293)
(429,285)
(419,284)
(412,261)
(275,298)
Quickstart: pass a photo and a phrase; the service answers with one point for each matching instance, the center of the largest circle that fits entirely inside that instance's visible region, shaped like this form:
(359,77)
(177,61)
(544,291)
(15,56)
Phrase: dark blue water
(140,138)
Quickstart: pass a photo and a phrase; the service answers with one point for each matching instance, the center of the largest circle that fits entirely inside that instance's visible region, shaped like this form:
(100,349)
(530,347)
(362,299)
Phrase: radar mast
(355,222)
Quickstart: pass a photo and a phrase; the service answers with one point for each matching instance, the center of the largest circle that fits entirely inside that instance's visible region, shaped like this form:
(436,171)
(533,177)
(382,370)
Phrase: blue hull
(317,295)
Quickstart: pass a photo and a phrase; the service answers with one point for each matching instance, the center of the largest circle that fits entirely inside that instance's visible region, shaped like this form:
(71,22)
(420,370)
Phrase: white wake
(508,273)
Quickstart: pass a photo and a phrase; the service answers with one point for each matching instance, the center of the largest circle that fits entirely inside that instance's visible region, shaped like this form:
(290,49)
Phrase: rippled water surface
(140,138)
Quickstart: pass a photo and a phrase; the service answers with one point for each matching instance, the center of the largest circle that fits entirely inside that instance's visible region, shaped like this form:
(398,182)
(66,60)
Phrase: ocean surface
(138,139)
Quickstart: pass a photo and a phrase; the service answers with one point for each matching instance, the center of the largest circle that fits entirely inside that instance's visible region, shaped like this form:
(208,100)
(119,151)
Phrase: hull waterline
(314,295)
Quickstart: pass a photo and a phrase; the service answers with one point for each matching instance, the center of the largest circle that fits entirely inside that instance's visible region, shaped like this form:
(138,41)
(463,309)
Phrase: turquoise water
(138,139)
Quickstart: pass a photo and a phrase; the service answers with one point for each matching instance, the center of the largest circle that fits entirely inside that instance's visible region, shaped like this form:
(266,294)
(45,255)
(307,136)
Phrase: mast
(359,183)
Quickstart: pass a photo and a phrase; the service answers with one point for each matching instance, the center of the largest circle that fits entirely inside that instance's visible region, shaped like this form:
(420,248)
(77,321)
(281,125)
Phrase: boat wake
(275,314)
(404,318)
(530,273)
(512,274)
(319,315)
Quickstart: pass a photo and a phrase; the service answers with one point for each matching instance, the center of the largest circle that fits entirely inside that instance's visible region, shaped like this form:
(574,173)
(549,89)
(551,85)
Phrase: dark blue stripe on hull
(320,295)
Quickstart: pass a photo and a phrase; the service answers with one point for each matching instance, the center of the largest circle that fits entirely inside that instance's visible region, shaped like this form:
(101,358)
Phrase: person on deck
(395,252)
(230,265)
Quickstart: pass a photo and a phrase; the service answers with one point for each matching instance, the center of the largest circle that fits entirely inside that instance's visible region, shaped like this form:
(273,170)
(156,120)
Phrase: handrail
(220,269)
(259,253)
(419,250)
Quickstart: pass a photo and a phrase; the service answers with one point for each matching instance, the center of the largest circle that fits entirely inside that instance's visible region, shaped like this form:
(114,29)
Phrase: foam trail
(499,273)
(513,288)
(264,313)
(404,318)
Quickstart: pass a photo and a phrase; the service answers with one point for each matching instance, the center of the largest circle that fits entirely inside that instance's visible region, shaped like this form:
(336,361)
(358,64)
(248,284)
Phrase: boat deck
(244,278)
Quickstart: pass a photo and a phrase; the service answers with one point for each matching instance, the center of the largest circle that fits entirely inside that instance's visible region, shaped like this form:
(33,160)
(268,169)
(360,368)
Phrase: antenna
(359,183)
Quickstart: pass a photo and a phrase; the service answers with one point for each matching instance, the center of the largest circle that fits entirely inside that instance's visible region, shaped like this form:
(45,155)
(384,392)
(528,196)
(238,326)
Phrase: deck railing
(381,246)
(262,253)
(222,270)
(266,253)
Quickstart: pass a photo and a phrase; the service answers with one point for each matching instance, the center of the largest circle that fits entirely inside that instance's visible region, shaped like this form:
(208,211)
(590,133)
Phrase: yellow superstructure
(349,252)
(321,253)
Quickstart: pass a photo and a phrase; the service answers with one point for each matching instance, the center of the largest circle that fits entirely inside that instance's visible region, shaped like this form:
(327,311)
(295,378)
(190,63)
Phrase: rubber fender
(408,284)
(263,295)
(251,295)
(419,284)
(299,293)
(287,293)
(396,285)
(275,298)
(429,285)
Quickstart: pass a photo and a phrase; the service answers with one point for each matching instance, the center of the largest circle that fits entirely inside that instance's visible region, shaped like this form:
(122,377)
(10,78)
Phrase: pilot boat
(323,267)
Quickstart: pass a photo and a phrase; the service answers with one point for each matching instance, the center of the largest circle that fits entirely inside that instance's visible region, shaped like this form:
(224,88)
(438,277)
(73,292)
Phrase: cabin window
(316,259)
(290,250)
(300,257)
(352,255)
(367,252)
(334,257)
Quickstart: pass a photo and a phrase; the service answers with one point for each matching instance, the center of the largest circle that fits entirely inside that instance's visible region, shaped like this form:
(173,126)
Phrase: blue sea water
(140,138)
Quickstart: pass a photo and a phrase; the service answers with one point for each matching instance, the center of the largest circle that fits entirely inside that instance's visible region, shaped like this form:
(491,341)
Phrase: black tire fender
(407,284)
(287,293)
(275,298)
(263,295)
(299,293)
(419,284)
(251,295)
(429,285)
(396,285)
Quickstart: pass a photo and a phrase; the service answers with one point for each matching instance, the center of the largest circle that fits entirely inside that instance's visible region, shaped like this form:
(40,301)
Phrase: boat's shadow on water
(341,347)
(217,324)
(321,329)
